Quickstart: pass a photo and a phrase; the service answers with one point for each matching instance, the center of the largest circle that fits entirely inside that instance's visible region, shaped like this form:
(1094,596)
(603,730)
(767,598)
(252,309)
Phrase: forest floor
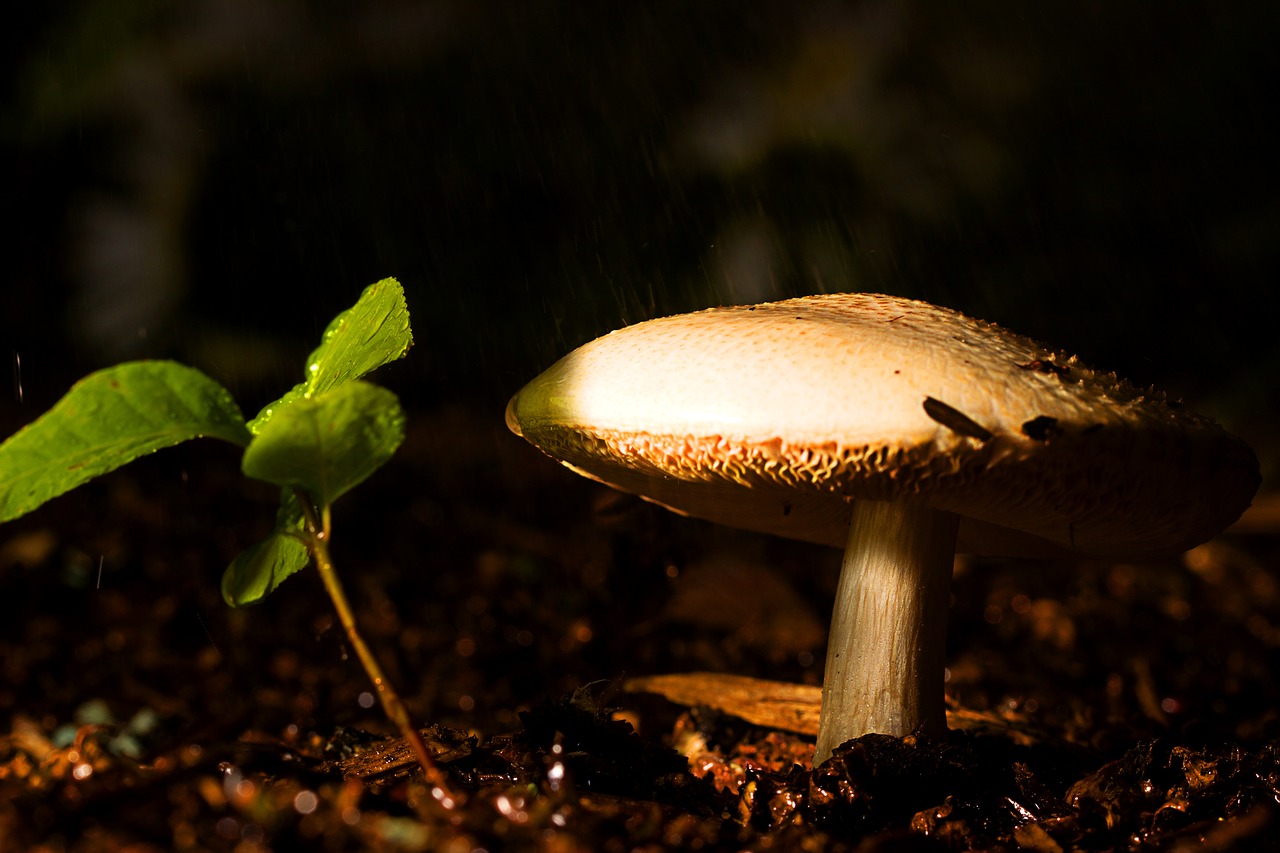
(519,609)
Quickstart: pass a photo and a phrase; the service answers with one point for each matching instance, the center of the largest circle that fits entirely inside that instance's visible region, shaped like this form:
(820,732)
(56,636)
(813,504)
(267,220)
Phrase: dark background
(212,181)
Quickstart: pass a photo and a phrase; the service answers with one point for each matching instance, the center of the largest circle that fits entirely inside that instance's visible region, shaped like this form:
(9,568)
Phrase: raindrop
(231,778)
(555,776)
(305,802)
(228,828)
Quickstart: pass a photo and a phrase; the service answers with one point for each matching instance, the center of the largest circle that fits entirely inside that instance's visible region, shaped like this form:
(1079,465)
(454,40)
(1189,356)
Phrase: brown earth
(1094,706)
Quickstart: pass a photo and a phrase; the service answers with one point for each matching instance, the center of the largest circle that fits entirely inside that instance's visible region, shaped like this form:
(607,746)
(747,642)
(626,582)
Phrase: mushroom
(902,431)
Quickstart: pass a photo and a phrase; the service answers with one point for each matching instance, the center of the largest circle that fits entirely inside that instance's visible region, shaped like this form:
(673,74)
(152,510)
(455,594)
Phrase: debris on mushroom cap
(776,417)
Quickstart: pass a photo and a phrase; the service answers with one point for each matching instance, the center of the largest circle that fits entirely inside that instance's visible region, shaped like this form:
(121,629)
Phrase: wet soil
(1093,706)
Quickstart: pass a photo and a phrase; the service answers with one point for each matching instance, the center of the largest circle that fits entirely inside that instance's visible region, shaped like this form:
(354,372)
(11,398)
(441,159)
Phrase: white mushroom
(901,431)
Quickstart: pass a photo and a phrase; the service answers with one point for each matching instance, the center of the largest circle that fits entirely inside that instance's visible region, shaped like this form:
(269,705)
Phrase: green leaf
(373,332)
(258,570)
(108,419)
(327,443)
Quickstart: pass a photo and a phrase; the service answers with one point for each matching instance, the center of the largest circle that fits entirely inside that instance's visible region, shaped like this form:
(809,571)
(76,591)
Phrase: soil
(1093,706)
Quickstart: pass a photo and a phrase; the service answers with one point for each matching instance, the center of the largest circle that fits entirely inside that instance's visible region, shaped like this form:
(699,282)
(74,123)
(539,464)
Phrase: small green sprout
(321,439)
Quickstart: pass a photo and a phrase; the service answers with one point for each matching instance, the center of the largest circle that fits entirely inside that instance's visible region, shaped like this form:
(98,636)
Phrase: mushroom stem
(888,635)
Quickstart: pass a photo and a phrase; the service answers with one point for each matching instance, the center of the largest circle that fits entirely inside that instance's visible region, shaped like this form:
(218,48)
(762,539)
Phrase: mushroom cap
(777,417)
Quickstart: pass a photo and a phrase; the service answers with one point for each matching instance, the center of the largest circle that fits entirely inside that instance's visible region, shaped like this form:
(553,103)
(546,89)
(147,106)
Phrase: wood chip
(774,704)
(778,704)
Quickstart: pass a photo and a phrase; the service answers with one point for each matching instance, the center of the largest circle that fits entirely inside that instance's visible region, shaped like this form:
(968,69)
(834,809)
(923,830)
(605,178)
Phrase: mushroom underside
(1106,492)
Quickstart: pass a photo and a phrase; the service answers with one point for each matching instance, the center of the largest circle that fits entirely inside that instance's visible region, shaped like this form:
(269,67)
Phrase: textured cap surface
(775,417)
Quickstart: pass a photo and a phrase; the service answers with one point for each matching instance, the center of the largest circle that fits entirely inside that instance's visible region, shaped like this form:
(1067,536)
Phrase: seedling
(323,437)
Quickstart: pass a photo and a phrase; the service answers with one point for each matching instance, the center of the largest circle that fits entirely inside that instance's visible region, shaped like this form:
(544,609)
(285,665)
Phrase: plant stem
(392,705)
